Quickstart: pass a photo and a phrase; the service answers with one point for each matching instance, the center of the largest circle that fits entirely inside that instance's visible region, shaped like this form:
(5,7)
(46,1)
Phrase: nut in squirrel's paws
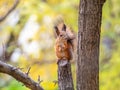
(62,62)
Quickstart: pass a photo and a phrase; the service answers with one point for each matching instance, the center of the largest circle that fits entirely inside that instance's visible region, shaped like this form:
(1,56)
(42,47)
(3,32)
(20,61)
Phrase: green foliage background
(43,61)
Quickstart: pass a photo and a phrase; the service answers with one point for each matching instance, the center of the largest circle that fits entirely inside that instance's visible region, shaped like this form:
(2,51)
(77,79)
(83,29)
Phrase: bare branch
(3,51)
(19,76)
(55,82)
(27,73)
(9,11)
(39,81)
(2,57)
(16,68)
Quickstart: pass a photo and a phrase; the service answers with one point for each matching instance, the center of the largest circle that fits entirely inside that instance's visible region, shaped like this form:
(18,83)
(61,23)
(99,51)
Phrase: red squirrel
(65,42)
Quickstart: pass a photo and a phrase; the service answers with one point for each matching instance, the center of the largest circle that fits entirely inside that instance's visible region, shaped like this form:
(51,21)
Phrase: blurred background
(27,40)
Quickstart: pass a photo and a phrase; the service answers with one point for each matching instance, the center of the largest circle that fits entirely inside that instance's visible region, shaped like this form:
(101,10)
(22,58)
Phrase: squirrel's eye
(61,35)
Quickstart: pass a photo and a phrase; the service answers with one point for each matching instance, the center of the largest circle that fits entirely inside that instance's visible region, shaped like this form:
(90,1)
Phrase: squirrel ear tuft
(55,27)
(64,28)
(56,30)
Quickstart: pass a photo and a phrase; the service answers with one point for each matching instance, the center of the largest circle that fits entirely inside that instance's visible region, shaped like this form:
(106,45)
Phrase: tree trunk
(65,81)
(90,13)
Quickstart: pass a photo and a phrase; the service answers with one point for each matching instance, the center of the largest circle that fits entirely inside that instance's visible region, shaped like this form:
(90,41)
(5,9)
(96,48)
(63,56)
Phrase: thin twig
(27,73)
(3,51)
(16,68)
(9,11)
(55,82)
(39,81)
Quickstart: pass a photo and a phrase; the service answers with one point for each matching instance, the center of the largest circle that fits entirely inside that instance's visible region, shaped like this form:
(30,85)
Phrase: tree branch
(19,76)
(65,81)
(9,11)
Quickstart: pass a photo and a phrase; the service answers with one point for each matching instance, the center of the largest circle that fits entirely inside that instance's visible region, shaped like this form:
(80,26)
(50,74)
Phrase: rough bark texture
(65,81)
(90,12)
(19,76)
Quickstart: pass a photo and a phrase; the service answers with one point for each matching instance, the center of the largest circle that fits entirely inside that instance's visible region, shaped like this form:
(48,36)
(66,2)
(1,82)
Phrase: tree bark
(65,81)
(19,76)
(90,13)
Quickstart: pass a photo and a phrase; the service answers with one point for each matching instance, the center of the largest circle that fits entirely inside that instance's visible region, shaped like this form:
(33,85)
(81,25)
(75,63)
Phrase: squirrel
(65,42)
(63,47)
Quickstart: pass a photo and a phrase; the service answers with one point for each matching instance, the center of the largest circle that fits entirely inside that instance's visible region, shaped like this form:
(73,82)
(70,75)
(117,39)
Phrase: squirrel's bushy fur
(63,47)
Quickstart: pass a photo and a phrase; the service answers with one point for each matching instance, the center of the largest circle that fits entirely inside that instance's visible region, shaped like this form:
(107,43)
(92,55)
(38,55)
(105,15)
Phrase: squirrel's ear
(64,27)
(56,30)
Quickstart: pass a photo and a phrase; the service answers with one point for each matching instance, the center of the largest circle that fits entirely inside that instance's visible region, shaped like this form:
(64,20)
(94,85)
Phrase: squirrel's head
(61,31)
(63,35)
(60,28)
